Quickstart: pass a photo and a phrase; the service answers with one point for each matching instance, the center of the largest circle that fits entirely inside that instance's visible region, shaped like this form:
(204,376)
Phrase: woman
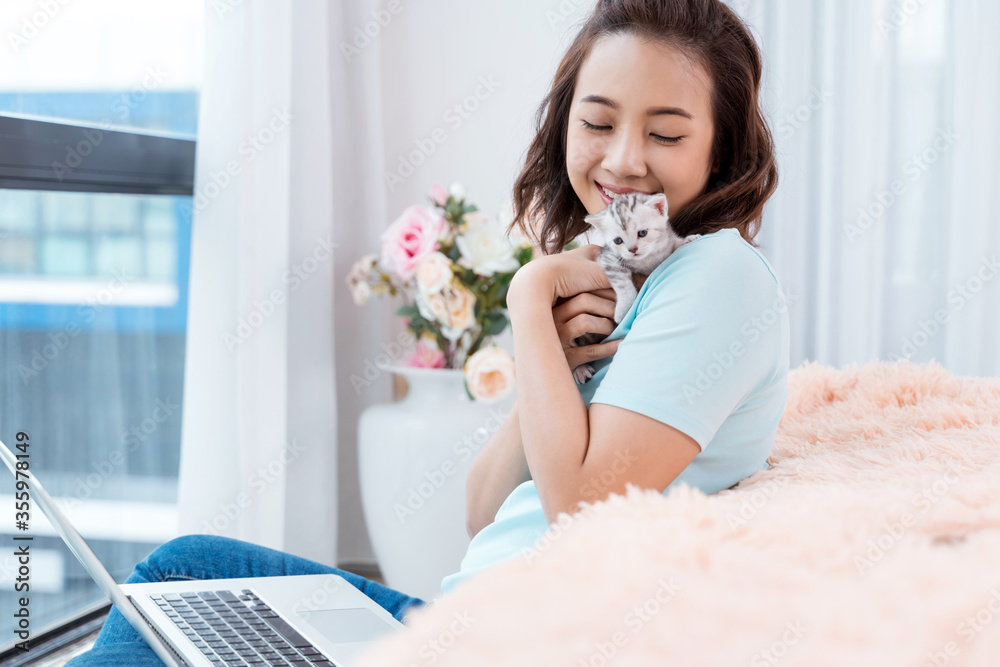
(655,96)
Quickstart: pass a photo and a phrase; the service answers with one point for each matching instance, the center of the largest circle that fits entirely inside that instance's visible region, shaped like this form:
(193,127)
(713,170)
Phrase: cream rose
(489,374)
(434,273)
(461,311)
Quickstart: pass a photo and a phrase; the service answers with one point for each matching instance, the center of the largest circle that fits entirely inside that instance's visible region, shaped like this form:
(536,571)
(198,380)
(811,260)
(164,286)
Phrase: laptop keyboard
(229,632)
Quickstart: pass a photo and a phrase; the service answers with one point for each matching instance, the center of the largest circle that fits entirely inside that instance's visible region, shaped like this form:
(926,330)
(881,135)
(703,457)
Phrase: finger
(604,349)
(600,277)
(585,302)
(582,355)
(584,324)
(589,251)
(606,293)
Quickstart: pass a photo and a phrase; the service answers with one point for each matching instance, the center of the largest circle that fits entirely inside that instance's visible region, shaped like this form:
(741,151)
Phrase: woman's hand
(588,312)
(573,284)
(562,275)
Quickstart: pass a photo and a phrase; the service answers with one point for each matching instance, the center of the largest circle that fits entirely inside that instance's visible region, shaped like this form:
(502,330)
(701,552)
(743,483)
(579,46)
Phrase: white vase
(413,457)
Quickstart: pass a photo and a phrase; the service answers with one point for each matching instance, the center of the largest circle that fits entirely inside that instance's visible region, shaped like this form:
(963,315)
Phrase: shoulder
(715,266)
(724,251)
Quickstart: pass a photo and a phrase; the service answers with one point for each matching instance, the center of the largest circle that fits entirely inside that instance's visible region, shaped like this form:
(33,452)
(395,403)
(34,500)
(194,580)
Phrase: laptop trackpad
(347,625)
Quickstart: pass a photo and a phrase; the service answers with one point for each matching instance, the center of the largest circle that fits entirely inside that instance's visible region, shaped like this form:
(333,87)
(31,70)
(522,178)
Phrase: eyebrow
(657,111)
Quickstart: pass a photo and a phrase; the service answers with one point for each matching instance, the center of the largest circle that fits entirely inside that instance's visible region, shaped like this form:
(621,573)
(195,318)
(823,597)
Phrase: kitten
(636,236)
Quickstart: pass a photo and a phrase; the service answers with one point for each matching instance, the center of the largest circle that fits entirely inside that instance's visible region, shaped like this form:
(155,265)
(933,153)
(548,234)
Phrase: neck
(638,279)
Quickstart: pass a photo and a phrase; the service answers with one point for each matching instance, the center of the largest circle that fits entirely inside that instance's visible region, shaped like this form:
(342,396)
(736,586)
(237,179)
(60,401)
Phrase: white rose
(486,250)
(433,273)
(360,293)
(457,191)
(361,268)
(489,374)
(432,307)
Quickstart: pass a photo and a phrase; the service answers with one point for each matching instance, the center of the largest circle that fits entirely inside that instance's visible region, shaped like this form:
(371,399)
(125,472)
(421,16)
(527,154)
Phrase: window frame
(121,162)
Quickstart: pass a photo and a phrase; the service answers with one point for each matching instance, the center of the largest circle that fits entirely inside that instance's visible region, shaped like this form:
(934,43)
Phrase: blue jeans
(210,557)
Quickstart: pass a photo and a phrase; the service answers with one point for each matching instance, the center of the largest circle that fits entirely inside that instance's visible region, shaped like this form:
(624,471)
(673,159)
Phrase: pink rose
(409,239)
(439,195)
(426,357)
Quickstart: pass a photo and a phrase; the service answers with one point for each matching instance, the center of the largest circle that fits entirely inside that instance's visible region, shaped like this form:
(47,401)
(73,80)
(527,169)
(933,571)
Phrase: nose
(625,155)
(633,248)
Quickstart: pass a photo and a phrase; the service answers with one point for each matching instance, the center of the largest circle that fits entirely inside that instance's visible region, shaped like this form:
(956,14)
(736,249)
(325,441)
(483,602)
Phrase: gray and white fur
(635,234)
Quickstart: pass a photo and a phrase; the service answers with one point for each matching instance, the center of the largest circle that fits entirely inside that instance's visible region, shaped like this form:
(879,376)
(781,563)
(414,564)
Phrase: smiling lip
(618,191)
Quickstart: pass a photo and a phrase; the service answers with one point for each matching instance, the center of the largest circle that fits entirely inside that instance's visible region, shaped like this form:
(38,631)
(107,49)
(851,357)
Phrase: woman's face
(622,89)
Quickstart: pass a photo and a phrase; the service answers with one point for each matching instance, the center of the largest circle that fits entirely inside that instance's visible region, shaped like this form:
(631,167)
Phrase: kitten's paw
(583,373)
(693,237)
(621,309)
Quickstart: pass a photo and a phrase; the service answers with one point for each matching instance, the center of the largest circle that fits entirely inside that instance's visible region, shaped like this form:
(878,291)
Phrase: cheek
(582,152)
(681,179)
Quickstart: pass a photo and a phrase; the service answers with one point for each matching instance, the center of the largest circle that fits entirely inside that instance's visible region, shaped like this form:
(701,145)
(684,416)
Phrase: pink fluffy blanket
(874,539)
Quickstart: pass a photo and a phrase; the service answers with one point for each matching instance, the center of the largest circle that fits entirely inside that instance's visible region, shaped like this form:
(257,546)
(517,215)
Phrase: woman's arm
(502,465)
(555,421)
(497,470)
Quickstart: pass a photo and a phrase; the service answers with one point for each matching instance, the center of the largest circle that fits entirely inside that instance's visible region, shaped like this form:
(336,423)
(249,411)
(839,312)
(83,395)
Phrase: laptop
(305,620)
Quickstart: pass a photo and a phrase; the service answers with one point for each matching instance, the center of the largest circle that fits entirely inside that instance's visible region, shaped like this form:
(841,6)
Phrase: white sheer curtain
(886,108)
(857,98)
(259,454)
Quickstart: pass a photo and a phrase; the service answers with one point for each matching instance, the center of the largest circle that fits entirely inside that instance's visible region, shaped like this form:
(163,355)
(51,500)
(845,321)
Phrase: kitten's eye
(618,240)
(642,232)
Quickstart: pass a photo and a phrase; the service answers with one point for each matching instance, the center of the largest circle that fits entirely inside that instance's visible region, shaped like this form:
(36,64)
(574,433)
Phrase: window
(98,114)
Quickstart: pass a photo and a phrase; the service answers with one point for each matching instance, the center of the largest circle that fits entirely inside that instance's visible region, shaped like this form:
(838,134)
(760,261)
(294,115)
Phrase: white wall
(431,56)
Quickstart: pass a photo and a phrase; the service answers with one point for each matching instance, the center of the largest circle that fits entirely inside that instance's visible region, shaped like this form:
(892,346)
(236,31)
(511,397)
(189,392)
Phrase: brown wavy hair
(708,33)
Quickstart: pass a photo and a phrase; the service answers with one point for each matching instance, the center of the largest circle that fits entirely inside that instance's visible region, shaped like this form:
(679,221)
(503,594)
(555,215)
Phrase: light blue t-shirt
(706,352)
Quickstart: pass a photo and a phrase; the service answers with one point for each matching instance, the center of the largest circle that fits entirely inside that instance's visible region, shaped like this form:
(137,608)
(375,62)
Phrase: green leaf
(490,295)
(496,323)
(410,311)
(502,294)
(524,255)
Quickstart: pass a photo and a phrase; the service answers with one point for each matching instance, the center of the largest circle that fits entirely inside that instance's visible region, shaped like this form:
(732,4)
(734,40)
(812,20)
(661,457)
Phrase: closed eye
(603,128)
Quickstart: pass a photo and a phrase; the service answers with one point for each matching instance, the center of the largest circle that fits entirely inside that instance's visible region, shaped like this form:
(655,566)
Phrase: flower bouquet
(452,264)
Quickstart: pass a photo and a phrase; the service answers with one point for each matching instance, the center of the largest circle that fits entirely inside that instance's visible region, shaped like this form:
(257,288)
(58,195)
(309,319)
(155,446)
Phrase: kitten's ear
(594,219)
(659,203)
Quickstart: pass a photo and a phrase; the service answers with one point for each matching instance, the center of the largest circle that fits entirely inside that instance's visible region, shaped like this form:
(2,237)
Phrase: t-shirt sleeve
(706,334)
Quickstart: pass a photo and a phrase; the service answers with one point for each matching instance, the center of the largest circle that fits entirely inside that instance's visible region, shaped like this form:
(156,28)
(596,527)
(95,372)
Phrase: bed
(873,539)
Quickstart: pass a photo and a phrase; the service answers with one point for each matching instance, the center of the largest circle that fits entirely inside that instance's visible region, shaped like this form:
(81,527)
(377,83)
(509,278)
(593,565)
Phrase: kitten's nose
(633,249)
